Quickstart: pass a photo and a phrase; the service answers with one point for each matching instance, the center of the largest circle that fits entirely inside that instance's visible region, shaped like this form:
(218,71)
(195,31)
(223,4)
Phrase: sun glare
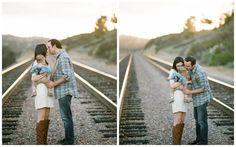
(153,18)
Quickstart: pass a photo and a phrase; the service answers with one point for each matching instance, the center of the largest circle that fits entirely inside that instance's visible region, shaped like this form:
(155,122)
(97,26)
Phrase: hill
(128,43)
(17,48)
(101,46)
(212,48)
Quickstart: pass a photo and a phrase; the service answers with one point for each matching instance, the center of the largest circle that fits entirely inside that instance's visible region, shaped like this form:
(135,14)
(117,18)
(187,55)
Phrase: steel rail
(104,99)
(16,65)
(95,70)
(11,89)
(124,85)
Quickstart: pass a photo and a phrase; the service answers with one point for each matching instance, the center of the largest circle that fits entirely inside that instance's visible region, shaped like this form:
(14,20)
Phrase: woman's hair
(55,42)
(176,61)
(40,49)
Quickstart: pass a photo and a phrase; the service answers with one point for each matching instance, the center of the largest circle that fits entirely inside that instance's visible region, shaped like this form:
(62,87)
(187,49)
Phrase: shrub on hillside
(106,50)
(8,56)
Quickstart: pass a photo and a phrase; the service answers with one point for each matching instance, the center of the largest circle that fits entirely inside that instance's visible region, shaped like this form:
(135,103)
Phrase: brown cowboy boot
(174,135)
(177,133)
(46,124)
(40,133)
(181,128)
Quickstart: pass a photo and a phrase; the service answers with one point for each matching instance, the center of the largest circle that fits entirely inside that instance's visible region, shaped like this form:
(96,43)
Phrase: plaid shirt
(64,68)
(199,80)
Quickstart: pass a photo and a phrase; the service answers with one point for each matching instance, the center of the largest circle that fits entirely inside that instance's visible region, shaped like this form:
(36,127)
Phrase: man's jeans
(200,116)
(66,115)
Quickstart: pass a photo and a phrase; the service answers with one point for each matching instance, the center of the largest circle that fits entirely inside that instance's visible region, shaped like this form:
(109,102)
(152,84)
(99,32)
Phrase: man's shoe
(193,142)
(61,141)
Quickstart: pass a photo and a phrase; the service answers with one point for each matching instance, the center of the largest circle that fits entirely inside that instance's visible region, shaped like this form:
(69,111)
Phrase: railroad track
(123,63)
(102,81)
(10,74)
(100,106)
(132,127)
(221,109)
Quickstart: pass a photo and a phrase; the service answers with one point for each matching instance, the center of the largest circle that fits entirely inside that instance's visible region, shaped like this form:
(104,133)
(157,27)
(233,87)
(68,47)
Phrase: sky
(153,18)
(142,18)
(54,18)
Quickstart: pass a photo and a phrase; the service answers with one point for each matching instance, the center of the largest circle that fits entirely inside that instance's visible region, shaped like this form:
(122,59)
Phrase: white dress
(42,99)
(178,105)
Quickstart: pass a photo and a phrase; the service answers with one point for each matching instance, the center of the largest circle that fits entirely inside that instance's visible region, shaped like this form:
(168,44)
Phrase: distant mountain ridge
(127,42)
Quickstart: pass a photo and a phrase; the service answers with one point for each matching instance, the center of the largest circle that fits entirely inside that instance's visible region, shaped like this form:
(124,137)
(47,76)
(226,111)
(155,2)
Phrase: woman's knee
(43,114)
(178,119)
(46,116)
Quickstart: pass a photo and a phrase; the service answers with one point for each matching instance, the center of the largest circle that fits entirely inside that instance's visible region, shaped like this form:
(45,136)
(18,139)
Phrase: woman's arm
(175,85)
(35,78)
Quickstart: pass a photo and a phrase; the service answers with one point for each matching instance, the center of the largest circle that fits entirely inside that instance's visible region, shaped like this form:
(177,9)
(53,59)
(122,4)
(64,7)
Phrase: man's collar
(195,68)
(59,53)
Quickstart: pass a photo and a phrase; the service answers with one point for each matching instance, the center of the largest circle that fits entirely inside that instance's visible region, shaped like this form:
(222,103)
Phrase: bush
(8,56)
(106,50)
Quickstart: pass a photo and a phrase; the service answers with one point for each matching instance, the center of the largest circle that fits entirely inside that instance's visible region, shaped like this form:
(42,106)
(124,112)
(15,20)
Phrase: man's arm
(195,91)
(52,84)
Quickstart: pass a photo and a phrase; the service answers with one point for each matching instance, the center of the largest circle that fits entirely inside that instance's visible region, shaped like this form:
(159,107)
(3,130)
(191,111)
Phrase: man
(202,95)
(64,84)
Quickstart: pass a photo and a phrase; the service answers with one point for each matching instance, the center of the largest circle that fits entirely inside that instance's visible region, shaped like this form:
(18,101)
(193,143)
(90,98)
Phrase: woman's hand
(175,85)
(180,87)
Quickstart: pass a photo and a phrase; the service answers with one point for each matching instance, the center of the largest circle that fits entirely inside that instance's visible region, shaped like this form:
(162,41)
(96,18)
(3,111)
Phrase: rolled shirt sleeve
(201,79)
(66,69)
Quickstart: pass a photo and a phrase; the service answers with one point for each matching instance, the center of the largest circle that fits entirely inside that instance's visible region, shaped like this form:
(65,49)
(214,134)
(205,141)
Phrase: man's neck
(194,66)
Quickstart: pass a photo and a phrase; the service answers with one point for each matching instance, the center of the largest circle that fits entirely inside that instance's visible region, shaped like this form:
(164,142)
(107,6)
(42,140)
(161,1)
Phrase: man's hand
(51,85)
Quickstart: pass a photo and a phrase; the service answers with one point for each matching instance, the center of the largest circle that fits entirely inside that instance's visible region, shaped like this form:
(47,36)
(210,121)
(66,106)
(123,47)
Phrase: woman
(178,106)
(43,102)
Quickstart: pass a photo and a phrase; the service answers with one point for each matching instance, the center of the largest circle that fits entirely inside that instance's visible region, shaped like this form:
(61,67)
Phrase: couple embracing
(53,69)
(196,85)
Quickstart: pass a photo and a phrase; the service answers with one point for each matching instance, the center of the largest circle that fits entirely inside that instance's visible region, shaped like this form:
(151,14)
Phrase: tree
(226,18)
(190,24)
(114,21)
(101,27)
(206,21)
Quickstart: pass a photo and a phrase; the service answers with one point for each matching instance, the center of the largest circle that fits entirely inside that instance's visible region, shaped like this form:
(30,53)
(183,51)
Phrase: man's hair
(55,42)
(191,59)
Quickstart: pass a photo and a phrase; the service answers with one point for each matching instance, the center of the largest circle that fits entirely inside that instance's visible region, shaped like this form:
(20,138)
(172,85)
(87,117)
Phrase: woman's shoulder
(172,71)
(34,63)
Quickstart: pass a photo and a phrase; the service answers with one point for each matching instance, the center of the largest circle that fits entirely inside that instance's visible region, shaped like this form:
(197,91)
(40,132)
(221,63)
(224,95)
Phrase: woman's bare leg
(47,113)
(177,118)
(43,114)
(183,117)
